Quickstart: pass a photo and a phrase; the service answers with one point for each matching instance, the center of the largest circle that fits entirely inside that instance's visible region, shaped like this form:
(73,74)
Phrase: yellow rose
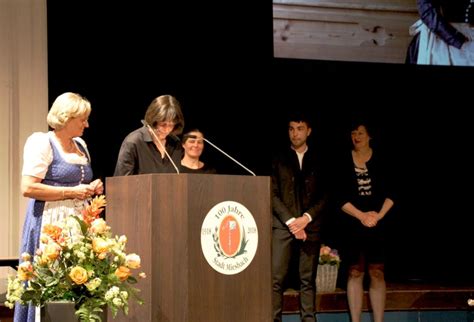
(40,261)
(92,285)
(122,273)
(132,261)
(99,226)
(123,239)
(78,275)
(25,271)
(44,239)
(100,245)
(25,257)
(50,252)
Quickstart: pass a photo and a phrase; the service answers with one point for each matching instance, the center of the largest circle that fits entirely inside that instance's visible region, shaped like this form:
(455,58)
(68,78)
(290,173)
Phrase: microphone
(174,137)
(161,144)
(218,149)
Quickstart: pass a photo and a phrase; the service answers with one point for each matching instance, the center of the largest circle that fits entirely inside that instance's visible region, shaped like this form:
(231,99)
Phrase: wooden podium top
(9,261)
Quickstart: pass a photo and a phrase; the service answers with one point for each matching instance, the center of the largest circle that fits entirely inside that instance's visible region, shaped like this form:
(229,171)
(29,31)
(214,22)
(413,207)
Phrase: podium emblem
(229,237)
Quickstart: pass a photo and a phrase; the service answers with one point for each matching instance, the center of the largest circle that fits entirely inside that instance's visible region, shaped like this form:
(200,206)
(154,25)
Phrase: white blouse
(38,154)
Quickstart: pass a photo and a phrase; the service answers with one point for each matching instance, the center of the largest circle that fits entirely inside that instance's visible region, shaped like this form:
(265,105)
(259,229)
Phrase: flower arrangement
(79,261)
(328,256)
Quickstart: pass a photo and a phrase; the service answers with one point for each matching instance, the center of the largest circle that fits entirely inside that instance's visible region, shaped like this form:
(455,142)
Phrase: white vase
(326,278)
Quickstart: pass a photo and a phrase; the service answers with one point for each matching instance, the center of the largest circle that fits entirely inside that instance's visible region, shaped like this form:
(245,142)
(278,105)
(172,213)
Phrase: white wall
(23,105)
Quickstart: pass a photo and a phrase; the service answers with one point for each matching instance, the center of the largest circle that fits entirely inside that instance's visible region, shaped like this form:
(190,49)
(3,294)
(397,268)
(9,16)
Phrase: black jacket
(296,191)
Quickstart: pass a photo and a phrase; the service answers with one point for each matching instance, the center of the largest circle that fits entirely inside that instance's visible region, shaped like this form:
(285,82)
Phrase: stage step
(400,297)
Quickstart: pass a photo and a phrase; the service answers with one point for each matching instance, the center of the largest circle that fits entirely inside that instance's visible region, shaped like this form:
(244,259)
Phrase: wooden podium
(162,215)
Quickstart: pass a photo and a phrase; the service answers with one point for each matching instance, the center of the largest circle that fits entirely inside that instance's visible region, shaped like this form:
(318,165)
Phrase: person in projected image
(364,196)
(298,201)
(444,34)
(193,145)
(146,149)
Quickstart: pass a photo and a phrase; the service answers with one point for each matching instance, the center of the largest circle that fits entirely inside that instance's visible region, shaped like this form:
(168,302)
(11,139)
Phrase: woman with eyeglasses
(155,147)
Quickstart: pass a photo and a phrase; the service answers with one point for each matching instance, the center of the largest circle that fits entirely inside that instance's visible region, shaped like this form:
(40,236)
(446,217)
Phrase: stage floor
(407,296)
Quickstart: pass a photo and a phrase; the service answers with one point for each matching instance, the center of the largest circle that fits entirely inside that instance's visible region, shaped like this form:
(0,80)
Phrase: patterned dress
(63,170)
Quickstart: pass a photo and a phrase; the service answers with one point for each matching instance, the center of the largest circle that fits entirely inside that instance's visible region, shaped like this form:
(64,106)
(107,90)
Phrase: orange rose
(122,273)
(52,231)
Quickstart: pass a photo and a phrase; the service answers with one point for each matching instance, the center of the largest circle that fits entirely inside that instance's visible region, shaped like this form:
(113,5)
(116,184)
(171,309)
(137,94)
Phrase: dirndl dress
(60,173)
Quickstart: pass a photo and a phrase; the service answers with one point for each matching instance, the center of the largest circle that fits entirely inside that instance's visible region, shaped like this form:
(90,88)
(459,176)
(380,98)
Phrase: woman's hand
(98,186)
(370,218)
(82,191)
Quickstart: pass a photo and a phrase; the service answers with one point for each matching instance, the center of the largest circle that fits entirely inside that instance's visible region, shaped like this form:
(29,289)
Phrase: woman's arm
(386,206)
(32,187)
(430,14)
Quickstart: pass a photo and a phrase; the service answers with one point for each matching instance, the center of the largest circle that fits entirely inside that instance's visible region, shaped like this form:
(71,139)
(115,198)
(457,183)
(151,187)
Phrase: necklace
(68,145)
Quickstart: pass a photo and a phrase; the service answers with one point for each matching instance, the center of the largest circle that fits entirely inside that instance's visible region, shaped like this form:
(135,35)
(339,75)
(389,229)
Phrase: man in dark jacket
(298,200)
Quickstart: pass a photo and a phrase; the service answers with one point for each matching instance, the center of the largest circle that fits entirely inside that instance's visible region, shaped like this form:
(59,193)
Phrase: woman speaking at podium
(155,147)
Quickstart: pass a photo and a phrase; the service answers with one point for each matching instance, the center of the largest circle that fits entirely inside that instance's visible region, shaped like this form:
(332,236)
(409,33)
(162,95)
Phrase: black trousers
(284,246)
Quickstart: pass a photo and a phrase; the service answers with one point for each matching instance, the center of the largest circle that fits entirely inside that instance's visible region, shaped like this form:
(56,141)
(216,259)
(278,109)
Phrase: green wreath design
(220,253)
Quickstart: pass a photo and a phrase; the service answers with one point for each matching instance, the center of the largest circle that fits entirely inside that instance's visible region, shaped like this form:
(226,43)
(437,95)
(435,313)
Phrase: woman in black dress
(364,198)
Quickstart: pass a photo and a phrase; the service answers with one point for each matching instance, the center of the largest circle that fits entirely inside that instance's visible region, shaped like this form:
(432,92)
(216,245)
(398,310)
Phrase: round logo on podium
(229,237)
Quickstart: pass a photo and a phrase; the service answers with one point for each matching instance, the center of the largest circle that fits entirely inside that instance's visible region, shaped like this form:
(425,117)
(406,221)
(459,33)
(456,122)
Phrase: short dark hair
(187,135)
(361,121)
(165,108)
(299,116)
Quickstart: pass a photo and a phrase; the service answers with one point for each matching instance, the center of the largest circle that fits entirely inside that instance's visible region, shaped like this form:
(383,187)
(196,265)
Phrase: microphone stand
(161,144)
(215,147)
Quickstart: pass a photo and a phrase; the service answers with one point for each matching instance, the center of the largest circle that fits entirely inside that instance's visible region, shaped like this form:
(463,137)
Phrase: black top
(139,155)
(349,184)
(205,169)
